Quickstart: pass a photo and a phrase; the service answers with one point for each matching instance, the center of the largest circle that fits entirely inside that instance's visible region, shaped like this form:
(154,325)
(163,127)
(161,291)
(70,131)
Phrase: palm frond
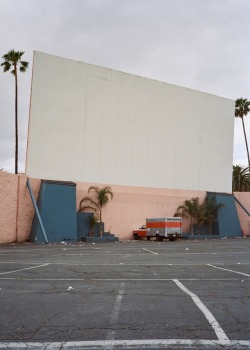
(93,189)
(13,59)
(241,179)
(242,107)
(88,203)
(87,208)
(22,69)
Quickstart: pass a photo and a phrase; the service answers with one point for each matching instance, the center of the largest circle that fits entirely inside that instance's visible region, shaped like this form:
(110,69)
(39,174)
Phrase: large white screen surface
(97,125)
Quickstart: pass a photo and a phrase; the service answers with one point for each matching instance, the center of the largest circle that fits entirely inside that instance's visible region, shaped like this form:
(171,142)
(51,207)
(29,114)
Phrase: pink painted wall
(244,199)
(8,207)
(25,207)
(128,210)
(16,208)
(132,205)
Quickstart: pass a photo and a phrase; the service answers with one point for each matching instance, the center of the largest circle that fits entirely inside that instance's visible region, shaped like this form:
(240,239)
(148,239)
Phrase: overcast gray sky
(199,44)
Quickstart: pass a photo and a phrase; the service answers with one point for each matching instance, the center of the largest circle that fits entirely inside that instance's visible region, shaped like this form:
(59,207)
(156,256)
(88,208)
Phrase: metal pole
(37,211)
(242,206)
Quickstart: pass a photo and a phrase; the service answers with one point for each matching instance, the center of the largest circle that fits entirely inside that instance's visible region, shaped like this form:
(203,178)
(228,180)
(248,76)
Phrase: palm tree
(210,209)
(93,220)
(96,203)
(14,63)
(241,179)
(242,107)
(191,209)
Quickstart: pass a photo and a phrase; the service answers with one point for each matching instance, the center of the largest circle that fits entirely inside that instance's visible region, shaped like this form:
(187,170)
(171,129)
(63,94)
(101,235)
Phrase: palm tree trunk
(100,223)
(246,143)
(16,126)
(192,228)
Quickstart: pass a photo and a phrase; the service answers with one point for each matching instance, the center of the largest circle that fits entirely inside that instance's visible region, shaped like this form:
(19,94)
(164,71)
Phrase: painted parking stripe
(115,313)
(224,340)
(150,251)
(221,268)
(127,344)
(27,268)
(52,263)
(117,279)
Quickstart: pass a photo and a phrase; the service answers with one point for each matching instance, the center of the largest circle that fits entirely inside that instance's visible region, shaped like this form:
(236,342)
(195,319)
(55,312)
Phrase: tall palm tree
(241,179)
(242,107)
(191,209)
(13,61)
(100,198)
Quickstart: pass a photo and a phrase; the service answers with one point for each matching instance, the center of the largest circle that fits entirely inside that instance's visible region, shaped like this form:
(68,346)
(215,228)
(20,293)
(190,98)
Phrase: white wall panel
(94,124)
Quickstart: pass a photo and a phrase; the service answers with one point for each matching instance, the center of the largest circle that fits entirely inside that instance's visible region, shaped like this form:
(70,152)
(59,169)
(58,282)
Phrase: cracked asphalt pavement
(125,296)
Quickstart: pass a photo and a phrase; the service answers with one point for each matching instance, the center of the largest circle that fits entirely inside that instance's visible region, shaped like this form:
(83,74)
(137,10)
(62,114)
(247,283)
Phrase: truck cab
(140,233)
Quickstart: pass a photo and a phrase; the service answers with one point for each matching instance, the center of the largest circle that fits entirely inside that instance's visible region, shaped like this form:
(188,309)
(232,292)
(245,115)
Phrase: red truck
(140,233)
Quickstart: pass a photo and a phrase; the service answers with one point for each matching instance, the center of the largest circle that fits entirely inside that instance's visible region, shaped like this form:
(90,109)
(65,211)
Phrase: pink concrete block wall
(16,208)
(244,199)
(8,207)
(128,210)
(25,207)
(132,205)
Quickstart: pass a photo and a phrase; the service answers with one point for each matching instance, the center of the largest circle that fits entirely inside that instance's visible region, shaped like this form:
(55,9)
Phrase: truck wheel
(172,239)
(157,237)
(148,238)
(136,237)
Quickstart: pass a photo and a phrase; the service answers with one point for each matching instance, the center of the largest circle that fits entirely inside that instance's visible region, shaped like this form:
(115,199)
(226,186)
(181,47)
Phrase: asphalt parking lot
(126,295)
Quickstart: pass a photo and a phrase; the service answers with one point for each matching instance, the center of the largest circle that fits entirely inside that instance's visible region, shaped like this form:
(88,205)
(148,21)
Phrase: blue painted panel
(83,227)
(200,231)
(57,207)
(227,223)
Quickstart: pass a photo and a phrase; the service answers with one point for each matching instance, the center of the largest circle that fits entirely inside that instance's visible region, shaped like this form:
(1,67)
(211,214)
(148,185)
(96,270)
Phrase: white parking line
(125,264)
(224,340)
(127,344)
(221,268)
(115,313)
(150,251)
(164,279)
(27,268)
(118,279)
